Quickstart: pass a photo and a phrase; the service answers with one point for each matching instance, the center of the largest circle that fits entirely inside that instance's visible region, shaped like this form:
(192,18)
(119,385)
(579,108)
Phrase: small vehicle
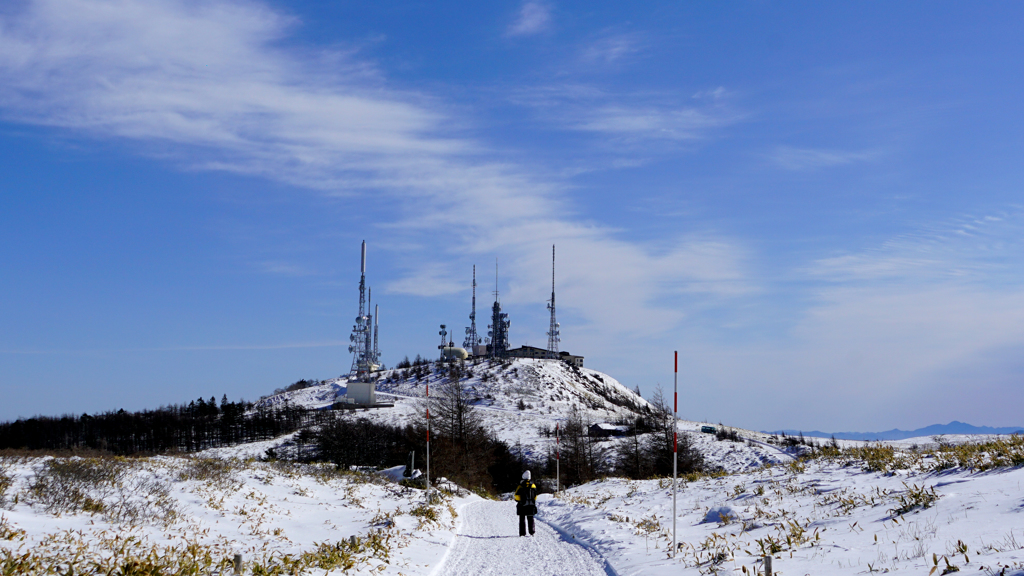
(708,429)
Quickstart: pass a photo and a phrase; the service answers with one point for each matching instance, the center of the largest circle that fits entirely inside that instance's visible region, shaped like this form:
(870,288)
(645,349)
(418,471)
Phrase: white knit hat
(526,475)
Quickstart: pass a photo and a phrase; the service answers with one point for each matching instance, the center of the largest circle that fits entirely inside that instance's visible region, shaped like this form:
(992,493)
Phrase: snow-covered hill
(520,400)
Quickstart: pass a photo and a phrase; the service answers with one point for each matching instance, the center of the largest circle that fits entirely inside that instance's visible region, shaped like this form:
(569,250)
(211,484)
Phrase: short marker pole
(675,450)
(428,443)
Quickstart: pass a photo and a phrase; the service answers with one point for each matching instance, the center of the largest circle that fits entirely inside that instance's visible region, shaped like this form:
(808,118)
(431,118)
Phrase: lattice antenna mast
(499,323)
(472,339)
(553,336)
(360,331)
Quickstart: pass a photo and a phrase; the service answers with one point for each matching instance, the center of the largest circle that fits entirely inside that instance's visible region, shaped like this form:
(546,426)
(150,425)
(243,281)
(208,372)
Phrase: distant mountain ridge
(953,427)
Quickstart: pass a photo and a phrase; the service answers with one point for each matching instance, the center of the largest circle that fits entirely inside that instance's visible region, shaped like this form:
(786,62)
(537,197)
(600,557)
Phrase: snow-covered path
(489,543)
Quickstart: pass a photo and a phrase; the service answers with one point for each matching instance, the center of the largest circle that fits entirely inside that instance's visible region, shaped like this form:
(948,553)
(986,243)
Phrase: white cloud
(630,118)
(206,75)
(611,49)
(533,18)
(802,159)
(970,248)
(651,122)
(209,85)
(926,327)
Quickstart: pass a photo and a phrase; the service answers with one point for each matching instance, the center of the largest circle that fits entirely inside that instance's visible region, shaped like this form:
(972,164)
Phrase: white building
(362,393)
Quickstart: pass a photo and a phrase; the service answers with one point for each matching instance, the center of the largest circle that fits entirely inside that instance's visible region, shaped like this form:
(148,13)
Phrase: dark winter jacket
(526,498)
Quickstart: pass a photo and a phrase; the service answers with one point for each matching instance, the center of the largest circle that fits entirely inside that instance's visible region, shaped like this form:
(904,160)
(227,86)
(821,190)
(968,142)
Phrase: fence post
(768,565)
(238,563)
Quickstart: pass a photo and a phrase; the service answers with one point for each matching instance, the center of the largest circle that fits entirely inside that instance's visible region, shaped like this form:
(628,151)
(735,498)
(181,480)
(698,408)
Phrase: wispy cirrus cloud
(650,123)
(631,118)
(805,159)
(612,49)
(533,18)
(967,249)
(210,86)
(892,332)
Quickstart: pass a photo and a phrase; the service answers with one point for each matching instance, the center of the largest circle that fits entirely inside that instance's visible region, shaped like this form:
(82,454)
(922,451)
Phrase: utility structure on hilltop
(366,355)
(553,338)
(498,329)
(472,339)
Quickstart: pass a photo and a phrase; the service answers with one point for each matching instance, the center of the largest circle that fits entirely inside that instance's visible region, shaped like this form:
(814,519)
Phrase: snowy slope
(176,508)
(829,519)
(548,390)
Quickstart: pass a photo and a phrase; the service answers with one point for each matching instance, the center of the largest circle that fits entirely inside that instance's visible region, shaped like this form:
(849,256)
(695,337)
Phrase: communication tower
(498,329)
(363,337)
(472,339)
(553,336)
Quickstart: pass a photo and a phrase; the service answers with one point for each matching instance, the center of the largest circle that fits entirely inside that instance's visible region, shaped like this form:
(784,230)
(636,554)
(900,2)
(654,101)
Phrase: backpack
(528,498)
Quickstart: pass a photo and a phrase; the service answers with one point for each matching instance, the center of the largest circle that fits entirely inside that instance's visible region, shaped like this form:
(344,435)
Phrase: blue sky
(818,205)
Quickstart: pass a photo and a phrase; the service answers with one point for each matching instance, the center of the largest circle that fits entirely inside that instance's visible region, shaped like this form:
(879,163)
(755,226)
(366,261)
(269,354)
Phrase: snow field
(293,517)
(910,505)
(818,518)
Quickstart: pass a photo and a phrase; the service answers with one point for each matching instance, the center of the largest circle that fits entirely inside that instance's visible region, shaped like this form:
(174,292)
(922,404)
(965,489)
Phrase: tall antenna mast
(472,340)
(499,323)
(553,337)
(360,337)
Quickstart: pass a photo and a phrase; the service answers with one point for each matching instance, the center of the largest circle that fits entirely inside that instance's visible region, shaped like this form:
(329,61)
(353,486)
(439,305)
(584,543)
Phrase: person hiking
(526,503)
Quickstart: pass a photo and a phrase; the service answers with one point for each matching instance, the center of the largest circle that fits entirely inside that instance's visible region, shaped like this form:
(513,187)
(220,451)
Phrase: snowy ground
(915,512)
(111,510)
(825,516)
(827,519)
(488,543)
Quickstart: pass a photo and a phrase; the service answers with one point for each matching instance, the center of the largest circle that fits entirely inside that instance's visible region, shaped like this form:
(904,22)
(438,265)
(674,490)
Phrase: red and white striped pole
(675,448)
(558,460)
(428,442)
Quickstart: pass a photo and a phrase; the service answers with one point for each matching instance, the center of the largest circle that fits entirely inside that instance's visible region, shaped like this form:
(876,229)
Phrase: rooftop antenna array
(553,336)
(498,329)
(363,338)
(472,339)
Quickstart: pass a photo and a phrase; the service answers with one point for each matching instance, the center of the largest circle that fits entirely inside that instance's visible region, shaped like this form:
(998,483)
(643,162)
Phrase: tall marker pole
(675,448)
(558,460)
(428,443)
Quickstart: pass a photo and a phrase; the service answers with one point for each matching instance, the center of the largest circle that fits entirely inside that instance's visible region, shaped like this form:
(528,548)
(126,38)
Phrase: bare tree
(452,412)
(462,448)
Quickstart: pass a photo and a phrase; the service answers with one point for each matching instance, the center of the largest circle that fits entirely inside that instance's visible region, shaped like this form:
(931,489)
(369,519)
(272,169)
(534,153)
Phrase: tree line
(198,425)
